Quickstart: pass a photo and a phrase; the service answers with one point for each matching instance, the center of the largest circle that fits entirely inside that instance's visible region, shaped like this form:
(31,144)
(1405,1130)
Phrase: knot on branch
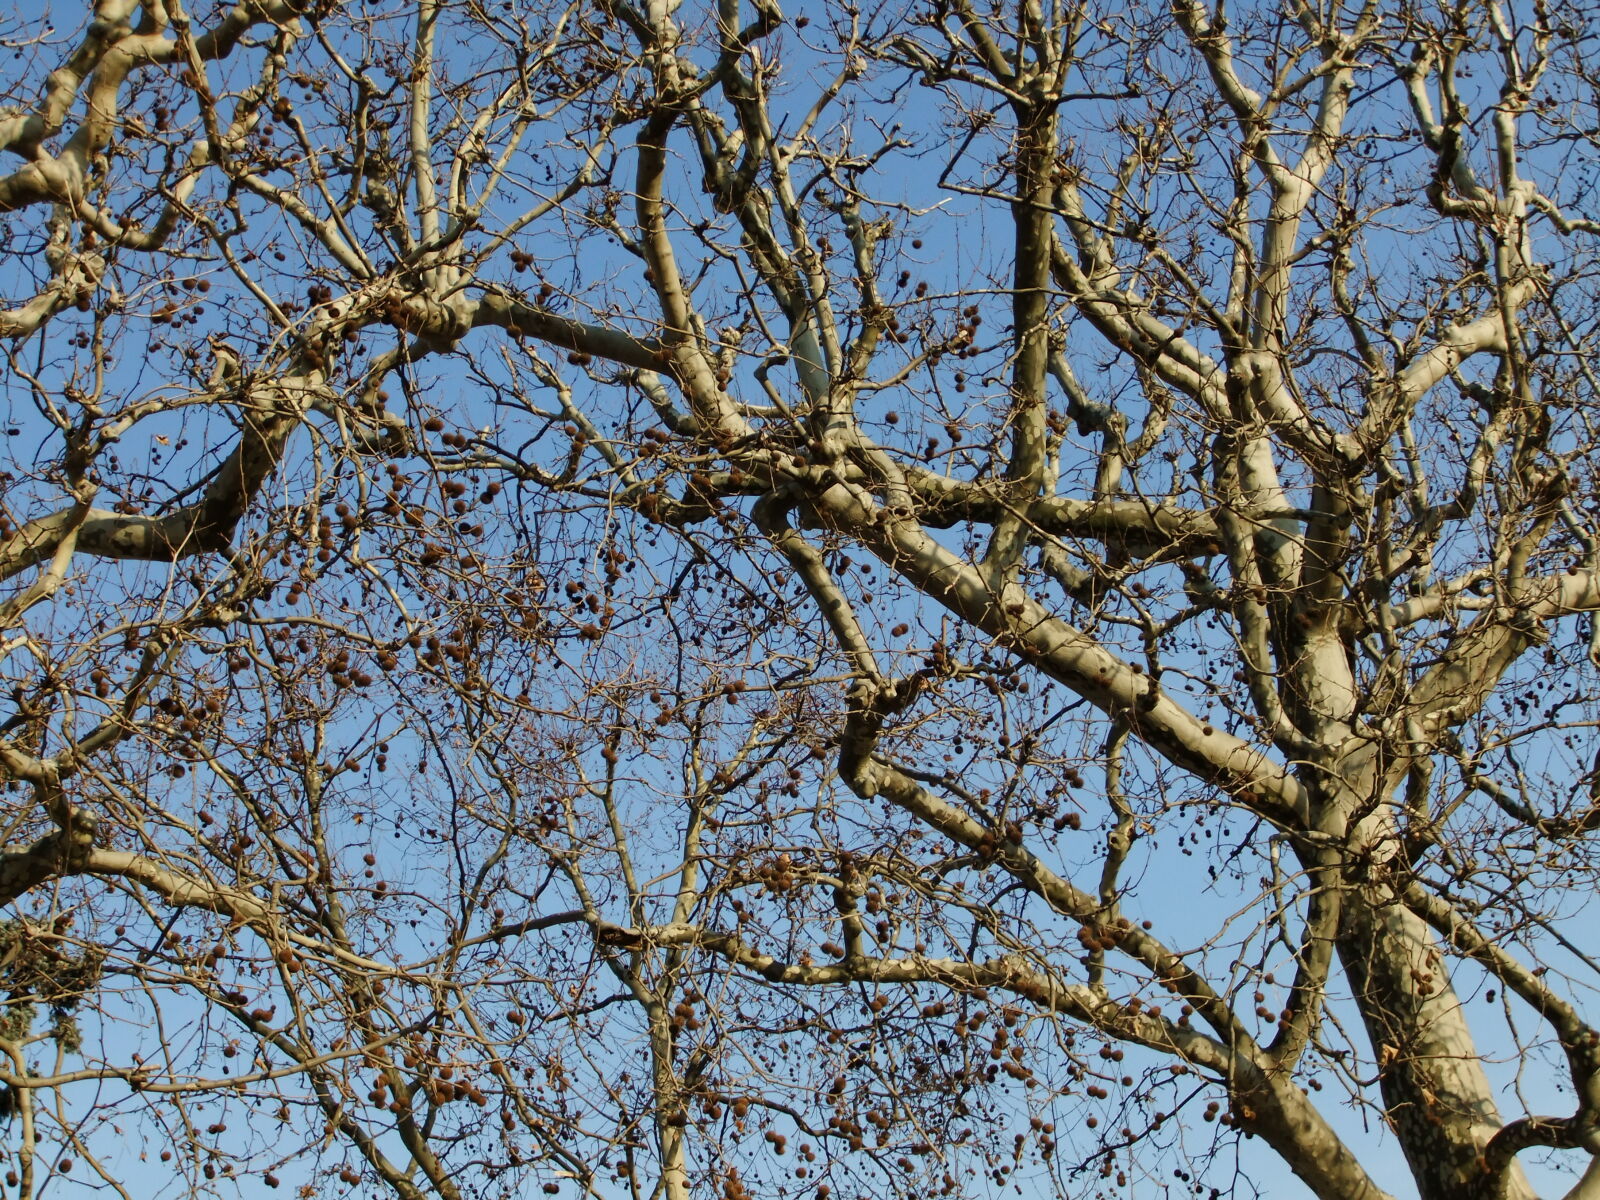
(79,837)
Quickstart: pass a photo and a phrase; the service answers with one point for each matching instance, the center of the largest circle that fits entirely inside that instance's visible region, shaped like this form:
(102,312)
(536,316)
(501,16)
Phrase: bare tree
(661,600)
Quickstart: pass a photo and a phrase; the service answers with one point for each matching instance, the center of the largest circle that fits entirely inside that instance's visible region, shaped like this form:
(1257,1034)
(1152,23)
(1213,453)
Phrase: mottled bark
(1436,1096)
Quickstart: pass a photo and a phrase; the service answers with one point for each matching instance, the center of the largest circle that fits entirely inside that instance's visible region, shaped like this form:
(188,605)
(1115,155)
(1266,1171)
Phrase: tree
(999,593)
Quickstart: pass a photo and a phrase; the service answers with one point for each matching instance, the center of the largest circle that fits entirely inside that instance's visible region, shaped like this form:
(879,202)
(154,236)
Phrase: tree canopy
(659,599)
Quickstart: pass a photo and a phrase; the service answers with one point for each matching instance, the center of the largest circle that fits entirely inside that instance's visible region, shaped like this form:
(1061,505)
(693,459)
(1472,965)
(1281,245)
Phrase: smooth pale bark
(674,1171)
(1435,1092)
(1588,1187)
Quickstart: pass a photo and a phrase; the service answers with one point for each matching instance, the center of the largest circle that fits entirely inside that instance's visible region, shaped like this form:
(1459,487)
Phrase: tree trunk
(1436,1095)
(670,1115)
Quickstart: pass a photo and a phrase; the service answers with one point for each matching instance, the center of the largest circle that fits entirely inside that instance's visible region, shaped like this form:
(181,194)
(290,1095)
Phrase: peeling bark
(1436,1095)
